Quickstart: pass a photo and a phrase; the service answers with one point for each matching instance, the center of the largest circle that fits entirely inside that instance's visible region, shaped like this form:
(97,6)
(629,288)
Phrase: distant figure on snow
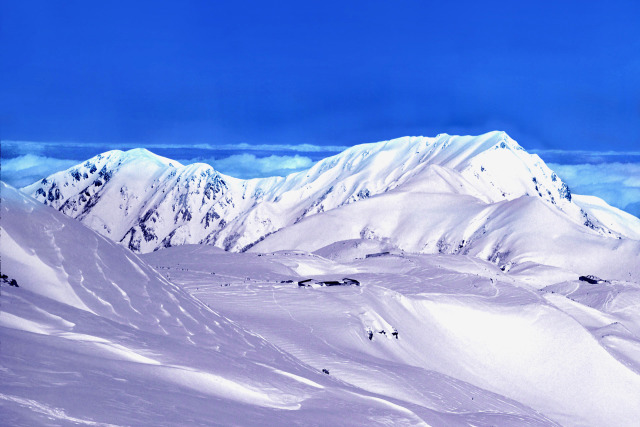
(325,371)
(370,334)
(395,333)
(382,332)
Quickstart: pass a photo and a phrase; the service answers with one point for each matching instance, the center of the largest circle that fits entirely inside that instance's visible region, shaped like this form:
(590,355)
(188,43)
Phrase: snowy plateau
(447,281)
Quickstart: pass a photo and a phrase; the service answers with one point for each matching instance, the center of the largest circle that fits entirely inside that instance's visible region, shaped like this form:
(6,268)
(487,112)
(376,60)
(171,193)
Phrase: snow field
(147,353)
(459,319)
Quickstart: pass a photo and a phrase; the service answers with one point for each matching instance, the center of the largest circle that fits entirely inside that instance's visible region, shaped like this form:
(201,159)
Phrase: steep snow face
(146,202)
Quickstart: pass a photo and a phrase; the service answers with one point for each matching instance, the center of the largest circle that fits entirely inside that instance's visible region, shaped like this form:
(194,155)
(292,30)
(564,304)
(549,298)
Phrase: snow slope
(146,202)
(93,335)
(193,335)
(473,340)
(613,218)
(507,233)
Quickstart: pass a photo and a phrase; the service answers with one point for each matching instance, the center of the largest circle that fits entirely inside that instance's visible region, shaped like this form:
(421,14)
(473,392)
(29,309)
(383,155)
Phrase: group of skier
(383,332)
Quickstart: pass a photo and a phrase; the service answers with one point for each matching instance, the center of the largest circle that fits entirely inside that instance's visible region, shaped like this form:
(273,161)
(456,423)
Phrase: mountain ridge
(146,202)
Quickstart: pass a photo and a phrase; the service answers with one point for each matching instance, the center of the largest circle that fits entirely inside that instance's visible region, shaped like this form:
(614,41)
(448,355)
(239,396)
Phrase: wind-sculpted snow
(146,202)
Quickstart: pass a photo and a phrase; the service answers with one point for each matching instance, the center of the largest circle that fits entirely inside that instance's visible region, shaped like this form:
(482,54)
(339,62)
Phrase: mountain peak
(137,154)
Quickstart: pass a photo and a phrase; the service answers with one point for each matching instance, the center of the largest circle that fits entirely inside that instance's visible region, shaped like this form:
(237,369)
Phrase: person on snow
(370,334)
(395,333)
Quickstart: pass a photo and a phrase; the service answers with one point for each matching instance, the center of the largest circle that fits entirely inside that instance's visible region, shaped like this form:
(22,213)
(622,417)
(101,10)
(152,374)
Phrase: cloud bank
(29,168)
(24,147)
(247,165)
(616,183)
(580,157)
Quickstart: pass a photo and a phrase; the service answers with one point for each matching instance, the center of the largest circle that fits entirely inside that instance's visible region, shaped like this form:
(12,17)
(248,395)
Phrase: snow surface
(97,335)
(131,348)
(463,323)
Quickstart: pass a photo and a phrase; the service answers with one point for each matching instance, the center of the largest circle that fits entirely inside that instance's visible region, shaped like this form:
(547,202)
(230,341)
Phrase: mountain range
(481,195)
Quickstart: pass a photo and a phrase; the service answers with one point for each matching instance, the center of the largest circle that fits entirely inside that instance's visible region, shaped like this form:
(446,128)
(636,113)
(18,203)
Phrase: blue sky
(557,76)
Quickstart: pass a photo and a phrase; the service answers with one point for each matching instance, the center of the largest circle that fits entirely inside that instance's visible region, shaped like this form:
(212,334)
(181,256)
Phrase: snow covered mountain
(451,189)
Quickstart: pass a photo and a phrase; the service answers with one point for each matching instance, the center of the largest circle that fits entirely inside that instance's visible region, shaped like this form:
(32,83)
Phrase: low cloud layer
(616,183)
(29,168)
(579,157)
(23,147)
(300,148)
(248,165)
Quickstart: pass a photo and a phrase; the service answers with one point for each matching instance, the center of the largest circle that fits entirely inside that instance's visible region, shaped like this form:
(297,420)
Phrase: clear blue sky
(554,75)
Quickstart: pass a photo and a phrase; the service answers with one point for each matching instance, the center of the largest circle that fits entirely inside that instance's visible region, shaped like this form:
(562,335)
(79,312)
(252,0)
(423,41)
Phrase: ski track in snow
(53,414)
